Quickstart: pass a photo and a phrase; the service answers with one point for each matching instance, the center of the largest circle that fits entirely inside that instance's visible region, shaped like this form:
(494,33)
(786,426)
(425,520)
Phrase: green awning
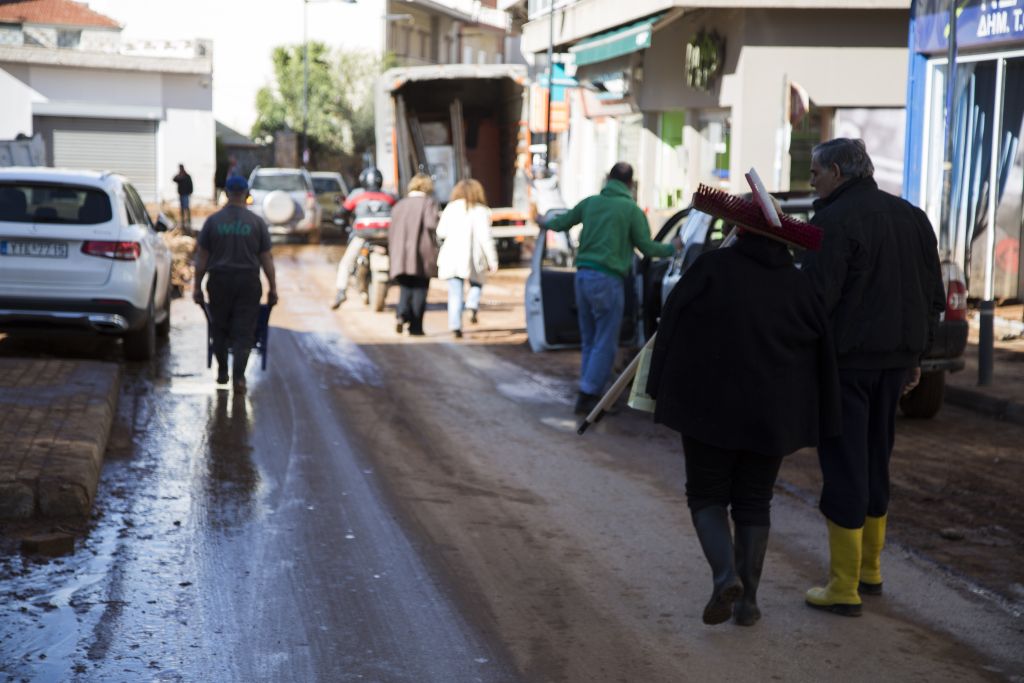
(621,41)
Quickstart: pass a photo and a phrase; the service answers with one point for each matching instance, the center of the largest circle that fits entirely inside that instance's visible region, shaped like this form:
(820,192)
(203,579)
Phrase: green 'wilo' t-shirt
(235,237)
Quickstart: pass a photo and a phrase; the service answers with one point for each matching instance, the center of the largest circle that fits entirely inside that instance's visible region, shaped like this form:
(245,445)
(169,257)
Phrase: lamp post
(305,76)
(551,83)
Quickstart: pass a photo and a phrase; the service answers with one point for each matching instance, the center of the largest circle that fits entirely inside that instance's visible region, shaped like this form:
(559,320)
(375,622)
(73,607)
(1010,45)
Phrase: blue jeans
(600,299)
(456,290)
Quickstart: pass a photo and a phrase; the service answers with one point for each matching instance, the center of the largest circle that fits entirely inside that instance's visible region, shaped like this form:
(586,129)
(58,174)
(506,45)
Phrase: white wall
(123,88)
(186,136)
(244,34)
(16,95)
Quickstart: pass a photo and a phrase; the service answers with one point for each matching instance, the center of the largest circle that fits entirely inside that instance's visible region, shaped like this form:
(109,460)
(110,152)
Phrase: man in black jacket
(879,278)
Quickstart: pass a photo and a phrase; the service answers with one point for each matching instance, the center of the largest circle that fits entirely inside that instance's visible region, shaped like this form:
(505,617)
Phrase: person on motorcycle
(365,202)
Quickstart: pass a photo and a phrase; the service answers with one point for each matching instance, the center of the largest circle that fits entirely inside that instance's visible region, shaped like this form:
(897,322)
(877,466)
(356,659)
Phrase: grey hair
(850,155)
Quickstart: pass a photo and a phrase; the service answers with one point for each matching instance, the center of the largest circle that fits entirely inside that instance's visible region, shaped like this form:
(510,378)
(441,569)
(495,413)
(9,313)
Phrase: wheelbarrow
(262,335)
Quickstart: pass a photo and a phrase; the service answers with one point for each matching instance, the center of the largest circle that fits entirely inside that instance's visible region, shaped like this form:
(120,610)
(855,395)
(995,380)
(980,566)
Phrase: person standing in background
(468,252)
(412,246)
(184,182)
(613,225)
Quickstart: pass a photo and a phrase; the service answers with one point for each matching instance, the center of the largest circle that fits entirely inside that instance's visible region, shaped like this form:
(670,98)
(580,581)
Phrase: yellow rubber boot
(840,595)
(871,556)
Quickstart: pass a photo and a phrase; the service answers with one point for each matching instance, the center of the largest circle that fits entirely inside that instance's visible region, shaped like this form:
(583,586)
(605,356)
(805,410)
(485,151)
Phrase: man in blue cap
(232,247)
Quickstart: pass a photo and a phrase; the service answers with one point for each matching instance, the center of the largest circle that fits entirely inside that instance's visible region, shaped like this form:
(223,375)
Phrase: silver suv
(285,199)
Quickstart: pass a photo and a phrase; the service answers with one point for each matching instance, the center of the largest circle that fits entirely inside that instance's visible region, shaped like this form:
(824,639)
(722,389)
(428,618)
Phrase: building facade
(449,32)
(699,92)
(98,103)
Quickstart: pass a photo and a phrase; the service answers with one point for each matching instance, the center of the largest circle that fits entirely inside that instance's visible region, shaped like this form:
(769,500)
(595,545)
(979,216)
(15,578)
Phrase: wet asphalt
(235,537)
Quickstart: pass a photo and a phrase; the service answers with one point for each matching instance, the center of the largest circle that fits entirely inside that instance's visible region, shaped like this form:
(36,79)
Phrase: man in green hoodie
(613,226)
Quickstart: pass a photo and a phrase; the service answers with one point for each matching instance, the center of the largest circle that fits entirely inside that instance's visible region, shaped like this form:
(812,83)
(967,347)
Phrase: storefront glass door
(979,88)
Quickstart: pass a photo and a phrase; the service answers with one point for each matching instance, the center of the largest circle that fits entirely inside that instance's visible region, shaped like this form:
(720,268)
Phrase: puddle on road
(537,389)
(334,351)
(516,383)
(193,387)
(119,608)
(559,423)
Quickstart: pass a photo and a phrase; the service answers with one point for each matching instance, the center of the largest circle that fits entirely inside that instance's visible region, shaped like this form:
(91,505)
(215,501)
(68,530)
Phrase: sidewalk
(55,417)
(1004,398)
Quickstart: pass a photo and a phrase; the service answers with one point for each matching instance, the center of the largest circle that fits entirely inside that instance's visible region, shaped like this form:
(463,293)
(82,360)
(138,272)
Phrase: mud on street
(397,509)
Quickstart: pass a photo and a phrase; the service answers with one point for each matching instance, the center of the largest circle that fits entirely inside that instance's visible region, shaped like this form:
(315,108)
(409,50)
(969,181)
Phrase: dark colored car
(947,351)
(551,315)
(331,189)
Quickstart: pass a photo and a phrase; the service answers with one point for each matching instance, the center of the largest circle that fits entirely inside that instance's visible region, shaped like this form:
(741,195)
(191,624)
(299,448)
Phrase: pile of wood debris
(183,249)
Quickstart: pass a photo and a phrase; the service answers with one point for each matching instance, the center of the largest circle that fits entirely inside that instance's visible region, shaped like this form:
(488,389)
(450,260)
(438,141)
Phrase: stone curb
(999,408)
(55,420)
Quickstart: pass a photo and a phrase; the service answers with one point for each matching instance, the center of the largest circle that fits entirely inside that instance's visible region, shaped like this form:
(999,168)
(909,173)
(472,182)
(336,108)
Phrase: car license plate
(36,249)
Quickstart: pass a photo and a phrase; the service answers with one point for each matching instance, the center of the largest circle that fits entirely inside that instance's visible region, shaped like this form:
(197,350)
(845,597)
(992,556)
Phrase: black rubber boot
(585,403)
(222,366)
(712,525)
(751,545)
(239,362)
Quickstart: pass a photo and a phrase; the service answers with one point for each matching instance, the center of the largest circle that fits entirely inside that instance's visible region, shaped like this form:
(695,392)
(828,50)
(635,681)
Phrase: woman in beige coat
(412,247)
(468,252)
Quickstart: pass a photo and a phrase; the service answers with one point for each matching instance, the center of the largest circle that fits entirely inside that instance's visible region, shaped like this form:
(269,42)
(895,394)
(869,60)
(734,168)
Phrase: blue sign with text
(979,23)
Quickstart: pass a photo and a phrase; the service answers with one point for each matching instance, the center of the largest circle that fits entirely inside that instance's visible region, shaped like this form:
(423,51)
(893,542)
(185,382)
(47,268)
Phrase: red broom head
(747,214)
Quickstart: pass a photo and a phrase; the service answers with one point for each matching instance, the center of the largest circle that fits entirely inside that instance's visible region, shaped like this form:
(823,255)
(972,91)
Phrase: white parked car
(79,250)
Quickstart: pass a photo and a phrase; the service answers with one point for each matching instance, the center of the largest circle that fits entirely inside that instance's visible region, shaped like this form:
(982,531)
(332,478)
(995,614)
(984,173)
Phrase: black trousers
(855,465)
(742,480)
(412,301)
(234,311)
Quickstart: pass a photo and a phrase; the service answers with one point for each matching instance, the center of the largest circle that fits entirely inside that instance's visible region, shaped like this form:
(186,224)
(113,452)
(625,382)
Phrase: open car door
(551,313)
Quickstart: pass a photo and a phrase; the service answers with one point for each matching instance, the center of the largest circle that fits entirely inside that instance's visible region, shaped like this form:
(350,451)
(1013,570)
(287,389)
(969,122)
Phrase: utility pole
(945,227)
(305,84)
(551,82)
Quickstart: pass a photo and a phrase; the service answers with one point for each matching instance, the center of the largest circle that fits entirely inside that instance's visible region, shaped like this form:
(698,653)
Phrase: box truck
(459,121)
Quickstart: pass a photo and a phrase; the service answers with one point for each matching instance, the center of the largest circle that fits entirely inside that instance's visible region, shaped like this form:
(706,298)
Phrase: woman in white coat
(468,251)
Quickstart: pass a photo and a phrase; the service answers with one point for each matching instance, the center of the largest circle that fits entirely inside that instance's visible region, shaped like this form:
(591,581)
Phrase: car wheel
(163,328)
(140,344)
(926,398)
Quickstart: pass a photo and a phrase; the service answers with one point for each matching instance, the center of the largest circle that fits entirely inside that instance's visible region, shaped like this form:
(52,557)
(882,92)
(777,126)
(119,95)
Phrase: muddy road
(385,508)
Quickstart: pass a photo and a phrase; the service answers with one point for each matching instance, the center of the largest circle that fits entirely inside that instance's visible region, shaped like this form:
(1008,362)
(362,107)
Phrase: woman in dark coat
(412,246)
(743,367)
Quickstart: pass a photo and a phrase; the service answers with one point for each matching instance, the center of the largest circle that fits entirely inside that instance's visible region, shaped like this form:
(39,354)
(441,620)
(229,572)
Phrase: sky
(244,32)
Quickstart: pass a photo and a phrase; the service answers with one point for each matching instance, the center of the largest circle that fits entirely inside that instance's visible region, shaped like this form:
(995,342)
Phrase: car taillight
(956,301)
(122,251)
(310,199)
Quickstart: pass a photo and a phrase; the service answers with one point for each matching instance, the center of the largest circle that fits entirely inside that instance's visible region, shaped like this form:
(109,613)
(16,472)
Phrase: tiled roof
(59,12)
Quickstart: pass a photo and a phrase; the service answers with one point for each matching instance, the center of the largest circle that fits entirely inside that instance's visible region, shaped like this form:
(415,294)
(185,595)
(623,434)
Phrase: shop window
(68,38)
(714,152)
(811,130)
(882,130)
(1009,189)
(973,182)
(672,171)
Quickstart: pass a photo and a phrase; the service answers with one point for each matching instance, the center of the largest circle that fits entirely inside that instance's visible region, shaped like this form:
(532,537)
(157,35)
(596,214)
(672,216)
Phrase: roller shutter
(124,146)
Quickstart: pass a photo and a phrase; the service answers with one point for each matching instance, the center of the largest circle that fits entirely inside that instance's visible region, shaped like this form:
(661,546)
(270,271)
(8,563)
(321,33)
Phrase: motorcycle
(373,265)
